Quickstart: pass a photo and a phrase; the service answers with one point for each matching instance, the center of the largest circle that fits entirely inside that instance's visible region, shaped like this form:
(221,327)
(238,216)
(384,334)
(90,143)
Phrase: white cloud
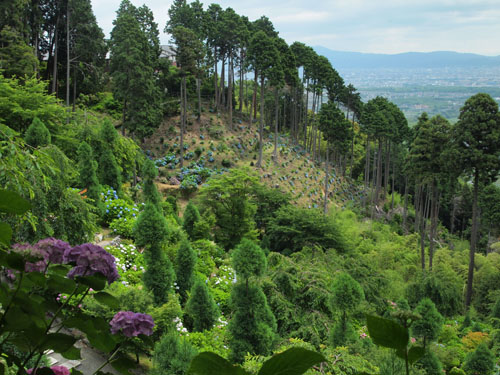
(388,26)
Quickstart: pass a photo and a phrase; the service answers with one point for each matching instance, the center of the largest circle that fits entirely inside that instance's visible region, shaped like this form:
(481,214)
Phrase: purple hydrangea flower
(28,250)
(90,259)
(132,324)
(53,249)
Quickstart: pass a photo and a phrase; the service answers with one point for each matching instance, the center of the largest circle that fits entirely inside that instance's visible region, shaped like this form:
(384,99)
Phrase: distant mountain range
(409,60)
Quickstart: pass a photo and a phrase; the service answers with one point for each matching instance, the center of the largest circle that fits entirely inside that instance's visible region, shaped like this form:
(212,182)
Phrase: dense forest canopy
(231,196)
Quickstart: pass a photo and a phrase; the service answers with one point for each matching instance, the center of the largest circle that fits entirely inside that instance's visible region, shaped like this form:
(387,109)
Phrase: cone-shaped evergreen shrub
(150,232)
(149,173)
(248,259)
(481,361)
(191,217)
(87,168)
(184,268)
(109,172)
(429,326)
(37,134)
(172,355)
(201,307)
(253,326)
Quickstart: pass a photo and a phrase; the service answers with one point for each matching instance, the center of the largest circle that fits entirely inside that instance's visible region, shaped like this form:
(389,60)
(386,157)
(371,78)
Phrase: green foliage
(87,168)
(253,325)
(150,232)
(184,268)
(16,57)
(293,228)
(149,173)
(342,334)
(109,172)
(37,134)
(190,218)
(172,355)
(151,228)
(248,260)
(347,294)
(21,102)
(431,322)
(201,307)
(294,361)
(481,361)
(129,262)
(442,285)
(430,363)
(228,197)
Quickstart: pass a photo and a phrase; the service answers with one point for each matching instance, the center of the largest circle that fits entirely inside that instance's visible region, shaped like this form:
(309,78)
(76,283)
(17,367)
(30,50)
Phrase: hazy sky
(381,26)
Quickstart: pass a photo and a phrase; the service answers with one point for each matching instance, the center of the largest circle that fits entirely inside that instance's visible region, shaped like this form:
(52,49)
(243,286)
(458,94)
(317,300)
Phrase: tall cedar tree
(189,52)
(253,326)
(184,268)
(201,307)
(132,63)
(477,137)
(480,361)
(150,232)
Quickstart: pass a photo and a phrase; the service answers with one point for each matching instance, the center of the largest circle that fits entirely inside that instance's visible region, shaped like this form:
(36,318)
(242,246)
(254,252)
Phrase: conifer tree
(431,322)
(346,296)
(190,218)
(87,168)
(109,171)
(37,134)
(132,69)
(480,361)
(477,137)
(149,173)
(172,355)
(185,262)
(150,232)
(201,307)
(253,326)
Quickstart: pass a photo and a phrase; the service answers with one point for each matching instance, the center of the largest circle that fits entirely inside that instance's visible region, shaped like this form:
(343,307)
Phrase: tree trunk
(473,241)
(254,97)
(276,113)
(325,203)
(67,60)
(124,116)
(74,88)
(261,122)
(241,82)
(230,91)
(392,187)
(216,84)
(305,114)
(432,232)
(386,167)
(405,209)
(198,92)
(352,147)
(222,91)
(422,231)
(183,114)
(56,47)
(453,214)
(379,173)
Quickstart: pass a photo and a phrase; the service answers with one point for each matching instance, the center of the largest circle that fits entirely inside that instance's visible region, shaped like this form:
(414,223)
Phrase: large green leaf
(13,203)
(72,353)
(96,282)
(123,365)
(5,233)
(386,332)
(59,342)
(294,361)
(15,261)
(415,353)
(207,363)
(107,299)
